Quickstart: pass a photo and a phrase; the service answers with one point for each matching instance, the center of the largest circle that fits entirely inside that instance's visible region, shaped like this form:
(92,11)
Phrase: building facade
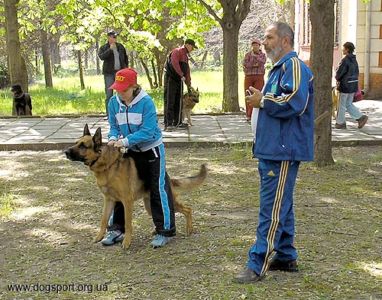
(356,22)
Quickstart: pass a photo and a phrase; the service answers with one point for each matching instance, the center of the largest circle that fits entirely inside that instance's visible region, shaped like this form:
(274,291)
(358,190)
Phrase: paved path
(58,133)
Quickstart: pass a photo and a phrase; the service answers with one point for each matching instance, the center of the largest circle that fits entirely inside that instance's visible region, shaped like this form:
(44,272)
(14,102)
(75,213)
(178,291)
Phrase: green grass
(66,97)
(48,237)
(6,205)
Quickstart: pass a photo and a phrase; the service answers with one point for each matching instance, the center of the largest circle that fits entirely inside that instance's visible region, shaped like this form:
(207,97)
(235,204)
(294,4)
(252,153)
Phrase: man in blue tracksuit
(134,125)
(284,138)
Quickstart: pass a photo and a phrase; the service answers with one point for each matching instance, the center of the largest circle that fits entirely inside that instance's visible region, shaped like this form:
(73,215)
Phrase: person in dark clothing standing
(177,71)
(114,58)
(347,84)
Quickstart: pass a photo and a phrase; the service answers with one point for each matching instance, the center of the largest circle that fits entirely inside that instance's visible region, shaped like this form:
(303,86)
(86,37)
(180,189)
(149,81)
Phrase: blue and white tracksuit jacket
(136,124)
(284,137)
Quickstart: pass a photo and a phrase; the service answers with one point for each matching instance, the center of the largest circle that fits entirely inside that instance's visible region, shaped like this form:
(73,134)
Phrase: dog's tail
(190,182)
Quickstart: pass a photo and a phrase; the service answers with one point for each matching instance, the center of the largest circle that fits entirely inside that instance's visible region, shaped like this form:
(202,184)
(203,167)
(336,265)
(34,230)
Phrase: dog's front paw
(126,242)
(98,238)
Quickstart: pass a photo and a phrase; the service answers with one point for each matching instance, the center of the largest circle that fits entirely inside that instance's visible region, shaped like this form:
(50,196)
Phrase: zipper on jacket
(128,125)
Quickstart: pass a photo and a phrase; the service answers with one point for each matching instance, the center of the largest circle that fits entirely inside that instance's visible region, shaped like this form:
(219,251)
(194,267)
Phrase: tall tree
(17,67)
(322,12)
(233,15)
(46,58)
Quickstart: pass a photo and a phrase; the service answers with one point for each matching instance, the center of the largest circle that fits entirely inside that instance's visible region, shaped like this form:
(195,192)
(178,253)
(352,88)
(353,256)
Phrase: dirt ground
(50,209)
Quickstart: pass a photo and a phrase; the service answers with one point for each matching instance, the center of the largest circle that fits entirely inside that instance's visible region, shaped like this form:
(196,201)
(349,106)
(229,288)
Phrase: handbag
(358,95)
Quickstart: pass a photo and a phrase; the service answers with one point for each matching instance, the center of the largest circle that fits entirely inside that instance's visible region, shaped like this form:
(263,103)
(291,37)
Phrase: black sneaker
(286,266)
(247,276)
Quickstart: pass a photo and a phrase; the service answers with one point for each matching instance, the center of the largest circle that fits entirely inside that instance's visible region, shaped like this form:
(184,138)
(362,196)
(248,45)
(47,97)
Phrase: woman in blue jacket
(134,126)
(347,84)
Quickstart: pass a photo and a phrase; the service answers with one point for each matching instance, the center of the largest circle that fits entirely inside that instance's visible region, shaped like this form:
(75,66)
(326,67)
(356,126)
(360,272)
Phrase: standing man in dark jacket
(347,84)
(114,58)
(177,71)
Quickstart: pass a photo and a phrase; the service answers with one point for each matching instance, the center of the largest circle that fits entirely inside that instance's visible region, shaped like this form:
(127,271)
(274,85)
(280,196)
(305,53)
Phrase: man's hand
(111,143)
(255,98)
(183,79)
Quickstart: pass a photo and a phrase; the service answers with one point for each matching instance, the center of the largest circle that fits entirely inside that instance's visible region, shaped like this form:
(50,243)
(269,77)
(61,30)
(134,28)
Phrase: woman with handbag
(347,84)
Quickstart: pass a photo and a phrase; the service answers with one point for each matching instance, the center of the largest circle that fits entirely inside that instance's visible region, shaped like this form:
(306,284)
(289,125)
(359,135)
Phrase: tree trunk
(37,62)
(46,58)
(217,60)
(147,72)
(97,58)
(55,52)
(322,12)
(160,58)
(234,13)
(86,59)
(132,59)
(230,71)
(81,69)
(155,75)
(203,59)
(17,67)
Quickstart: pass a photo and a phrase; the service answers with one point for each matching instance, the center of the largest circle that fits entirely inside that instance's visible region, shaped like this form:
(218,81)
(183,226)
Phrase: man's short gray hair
(284,30)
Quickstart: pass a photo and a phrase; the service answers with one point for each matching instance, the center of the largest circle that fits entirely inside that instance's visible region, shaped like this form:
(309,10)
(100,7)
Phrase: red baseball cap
(124,79)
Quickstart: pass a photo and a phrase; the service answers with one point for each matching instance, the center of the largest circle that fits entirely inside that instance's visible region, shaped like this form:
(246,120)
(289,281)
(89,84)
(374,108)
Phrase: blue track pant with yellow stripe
(275,231)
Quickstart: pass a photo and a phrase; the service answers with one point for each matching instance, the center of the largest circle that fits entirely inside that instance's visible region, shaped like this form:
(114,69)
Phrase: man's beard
(274,54)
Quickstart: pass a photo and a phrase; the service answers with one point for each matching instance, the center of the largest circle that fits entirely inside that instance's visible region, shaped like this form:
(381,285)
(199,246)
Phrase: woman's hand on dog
(116,144)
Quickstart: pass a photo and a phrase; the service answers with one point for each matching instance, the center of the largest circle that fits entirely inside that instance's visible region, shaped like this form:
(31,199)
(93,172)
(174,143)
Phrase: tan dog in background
(117,178)
(189,101)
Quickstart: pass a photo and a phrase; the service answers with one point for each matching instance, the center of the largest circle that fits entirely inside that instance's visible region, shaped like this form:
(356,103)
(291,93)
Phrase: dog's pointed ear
(86,130)
(197,89)
(97,138)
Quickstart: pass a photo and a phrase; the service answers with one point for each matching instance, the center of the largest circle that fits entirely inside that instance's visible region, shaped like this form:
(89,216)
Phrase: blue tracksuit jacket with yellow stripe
(285,126)
(136,123)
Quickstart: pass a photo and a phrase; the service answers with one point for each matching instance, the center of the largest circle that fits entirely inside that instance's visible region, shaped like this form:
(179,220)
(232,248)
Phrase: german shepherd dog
(118,180)
(189,101)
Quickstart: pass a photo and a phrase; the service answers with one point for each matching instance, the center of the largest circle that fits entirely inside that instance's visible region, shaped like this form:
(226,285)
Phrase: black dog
(23,101)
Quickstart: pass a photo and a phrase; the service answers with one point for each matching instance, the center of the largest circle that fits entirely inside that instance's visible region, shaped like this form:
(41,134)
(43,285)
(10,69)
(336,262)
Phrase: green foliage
(3,74)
